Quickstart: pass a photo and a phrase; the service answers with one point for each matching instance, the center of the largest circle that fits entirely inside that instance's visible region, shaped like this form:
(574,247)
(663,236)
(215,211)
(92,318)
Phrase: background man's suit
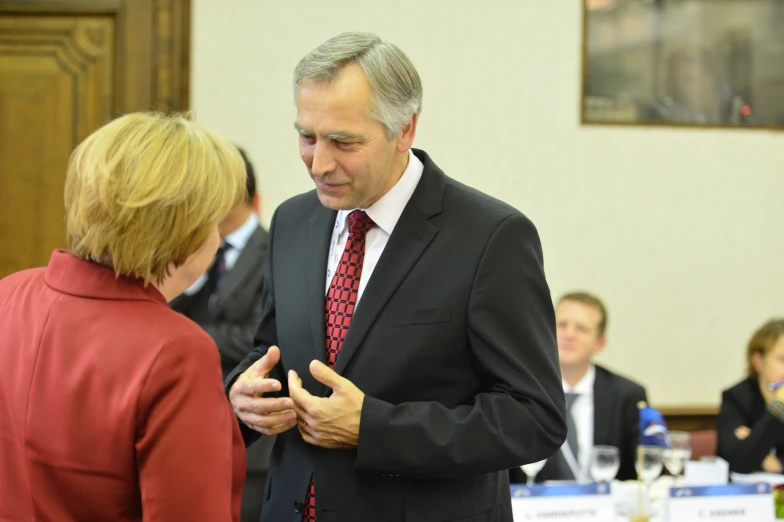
(230,316)
(453,343)
(615,423)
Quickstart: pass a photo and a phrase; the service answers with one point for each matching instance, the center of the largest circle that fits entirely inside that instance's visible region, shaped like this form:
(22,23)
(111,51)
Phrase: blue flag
(653,429)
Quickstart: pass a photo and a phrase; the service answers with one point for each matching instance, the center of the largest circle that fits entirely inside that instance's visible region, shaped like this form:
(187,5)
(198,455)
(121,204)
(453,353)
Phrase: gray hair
(394,82)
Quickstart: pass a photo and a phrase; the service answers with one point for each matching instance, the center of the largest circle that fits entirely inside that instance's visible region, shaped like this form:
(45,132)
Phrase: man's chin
(334,202)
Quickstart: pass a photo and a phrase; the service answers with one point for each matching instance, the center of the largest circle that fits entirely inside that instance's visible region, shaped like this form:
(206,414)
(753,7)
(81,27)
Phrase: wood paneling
(67,67)
(56,86)
(690,418)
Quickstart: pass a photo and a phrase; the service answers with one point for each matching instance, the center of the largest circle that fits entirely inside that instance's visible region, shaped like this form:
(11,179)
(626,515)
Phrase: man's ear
(407,134)
(600,344)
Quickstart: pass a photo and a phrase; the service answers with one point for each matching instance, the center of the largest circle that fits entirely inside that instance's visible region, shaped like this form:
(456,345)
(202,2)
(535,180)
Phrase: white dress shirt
(385,213)
(582,413)
(236,241)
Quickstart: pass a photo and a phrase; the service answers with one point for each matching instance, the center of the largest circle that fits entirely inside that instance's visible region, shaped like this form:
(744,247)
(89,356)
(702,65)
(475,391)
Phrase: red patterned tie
(340,304)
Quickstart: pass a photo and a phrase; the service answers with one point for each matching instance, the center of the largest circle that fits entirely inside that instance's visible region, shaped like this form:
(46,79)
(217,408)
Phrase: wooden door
(67,67)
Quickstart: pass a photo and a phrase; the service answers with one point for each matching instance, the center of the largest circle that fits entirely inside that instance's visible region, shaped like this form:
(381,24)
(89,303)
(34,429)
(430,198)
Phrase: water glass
(675,458)
(605,461)
(651,463)
(532,469)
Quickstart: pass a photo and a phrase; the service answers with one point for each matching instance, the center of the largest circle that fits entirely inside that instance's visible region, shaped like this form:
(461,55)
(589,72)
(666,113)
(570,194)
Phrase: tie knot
(222,251)
(359,223)
(570,398)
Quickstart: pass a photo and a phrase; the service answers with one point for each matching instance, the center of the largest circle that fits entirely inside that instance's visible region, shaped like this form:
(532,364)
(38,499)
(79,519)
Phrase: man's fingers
(263,406)
(298,394)
(269,420)
(256,387)
(263,366)
(262,424)
(326,375)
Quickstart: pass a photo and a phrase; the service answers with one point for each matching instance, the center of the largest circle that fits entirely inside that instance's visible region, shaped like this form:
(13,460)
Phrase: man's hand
(332,422)
(265,415)
(742,432)
(771,464)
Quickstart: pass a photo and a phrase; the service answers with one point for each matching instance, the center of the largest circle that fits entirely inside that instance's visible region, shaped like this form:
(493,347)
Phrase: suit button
(298,506)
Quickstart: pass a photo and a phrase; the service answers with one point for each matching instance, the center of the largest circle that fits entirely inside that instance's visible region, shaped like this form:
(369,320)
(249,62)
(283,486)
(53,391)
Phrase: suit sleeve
(235,340)
(631,431)
(519,417)
(188,449)
(266,336)
(745,456)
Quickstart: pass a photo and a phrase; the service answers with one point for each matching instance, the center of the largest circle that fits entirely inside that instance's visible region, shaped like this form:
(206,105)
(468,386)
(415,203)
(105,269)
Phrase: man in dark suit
(601,405)
(430,367)
(226,302)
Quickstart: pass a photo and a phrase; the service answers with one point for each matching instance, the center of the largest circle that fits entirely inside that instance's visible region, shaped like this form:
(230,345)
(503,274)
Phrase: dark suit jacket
(231,318)
(743,405)
(453,343)
(615,423)
(111,406)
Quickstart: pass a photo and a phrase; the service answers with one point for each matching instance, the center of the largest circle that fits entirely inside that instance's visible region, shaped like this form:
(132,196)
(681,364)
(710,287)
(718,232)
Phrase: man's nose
(323,160)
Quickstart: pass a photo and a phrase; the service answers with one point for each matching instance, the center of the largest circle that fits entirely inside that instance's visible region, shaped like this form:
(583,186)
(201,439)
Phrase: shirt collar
(386,212)
(585,385)
(239,238)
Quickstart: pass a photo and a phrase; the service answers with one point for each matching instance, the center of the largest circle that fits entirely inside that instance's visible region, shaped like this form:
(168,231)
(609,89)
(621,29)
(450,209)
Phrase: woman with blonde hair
(111,403)
(751,418)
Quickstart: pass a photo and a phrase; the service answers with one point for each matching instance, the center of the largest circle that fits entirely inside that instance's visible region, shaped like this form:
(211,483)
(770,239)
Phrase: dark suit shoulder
(744,392)
(460,200)
(620,383)
(477,204)
(260,237)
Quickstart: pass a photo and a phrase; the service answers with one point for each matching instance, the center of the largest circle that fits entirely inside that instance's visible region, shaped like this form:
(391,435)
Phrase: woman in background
(111,403)
(751,418)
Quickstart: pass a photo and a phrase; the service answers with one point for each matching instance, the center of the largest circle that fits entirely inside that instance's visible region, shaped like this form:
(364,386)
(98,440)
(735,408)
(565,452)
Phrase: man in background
(226,302)
(601,406)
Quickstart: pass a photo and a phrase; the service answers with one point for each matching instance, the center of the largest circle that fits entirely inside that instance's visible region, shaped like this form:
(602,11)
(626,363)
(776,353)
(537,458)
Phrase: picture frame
(692,63)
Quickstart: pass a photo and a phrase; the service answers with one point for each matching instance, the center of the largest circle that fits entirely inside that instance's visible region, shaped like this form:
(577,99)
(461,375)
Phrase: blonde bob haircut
(145,191)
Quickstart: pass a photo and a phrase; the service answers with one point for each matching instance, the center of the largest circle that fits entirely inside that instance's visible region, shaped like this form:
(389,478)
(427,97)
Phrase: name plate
(562,503)
(728,503)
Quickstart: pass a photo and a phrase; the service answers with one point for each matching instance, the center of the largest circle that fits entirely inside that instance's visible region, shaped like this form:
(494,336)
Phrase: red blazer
(111,404)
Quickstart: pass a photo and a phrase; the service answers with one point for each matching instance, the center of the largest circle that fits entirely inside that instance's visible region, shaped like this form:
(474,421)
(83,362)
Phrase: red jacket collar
(68,274)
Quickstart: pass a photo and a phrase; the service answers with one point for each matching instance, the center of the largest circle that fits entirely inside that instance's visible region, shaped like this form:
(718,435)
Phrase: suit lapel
(411,236)
(247,263)
(602,405)
(319,236)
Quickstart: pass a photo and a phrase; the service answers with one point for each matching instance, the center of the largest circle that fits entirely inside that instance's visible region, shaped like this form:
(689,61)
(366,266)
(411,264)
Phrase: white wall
(680,231)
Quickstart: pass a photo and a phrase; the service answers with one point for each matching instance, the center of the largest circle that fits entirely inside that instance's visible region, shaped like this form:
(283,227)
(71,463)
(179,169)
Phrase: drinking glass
(651,463)
(676,457)
(532,469)
(605,461)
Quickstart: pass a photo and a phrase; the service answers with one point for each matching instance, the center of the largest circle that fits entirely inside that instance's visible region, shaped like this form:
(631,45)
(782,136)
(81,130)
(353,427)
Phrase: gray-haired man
(431,365)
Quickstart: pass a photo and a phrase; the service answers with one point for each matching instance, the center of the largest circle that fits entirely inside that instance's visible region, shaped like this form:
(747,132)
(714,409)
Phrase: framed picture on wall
(684,62)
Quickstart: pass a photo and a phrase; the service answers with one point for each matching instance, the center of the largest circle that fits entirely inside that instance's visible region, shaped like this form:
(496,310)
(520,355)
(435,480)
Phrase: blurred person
(751,418)
(111,402)
(601,405)
(226,302)
(226,299)
(407,330)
